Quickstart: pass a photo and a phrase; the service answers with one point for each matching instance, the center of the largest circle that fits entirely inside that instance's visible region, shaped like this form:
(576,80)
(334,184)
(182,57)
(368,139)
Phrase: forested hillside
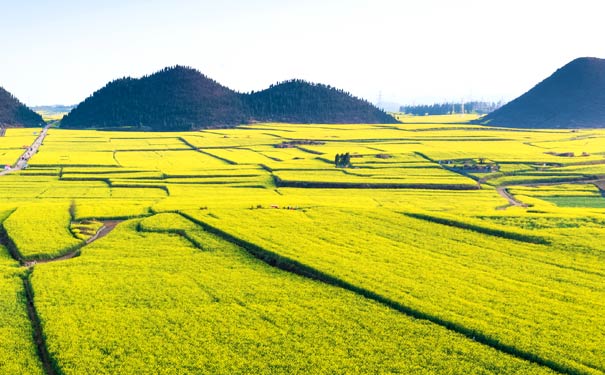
(573,97)
(15,113)
(182,98)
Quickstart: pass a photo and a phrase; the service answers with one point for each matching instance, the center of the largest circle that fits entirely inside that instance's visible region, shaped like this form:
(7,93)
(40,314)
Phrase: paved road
(31,151)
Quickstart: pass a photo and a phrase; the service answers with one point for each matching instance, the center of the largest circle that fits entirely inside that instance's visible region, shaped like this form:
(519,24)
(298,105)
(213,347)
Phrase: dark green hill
(13,113)
(573,97)
(181,98)
(176,98)
(297,101)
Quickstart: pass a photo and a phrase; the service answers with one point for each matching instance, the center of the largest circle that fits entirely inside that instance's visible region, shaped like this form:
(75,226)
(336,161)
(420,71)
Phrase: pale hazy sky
(412,51)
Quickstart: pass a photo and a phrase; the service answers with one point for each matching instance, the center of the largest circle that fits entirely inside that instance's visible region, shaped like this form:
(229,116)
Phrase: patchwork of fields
(441,248)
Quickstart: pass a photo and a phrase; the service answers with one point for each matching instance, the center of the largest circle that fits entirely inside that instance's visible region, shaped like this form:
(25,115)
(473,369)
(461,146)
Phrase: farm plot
(403,177)
(239,156)
(41,230)
(69,157)
(478,282)
(17,348)
(146,142)
(211,139)
(565,195)
(161,295)
(11,145)
(172,318)
(168,160)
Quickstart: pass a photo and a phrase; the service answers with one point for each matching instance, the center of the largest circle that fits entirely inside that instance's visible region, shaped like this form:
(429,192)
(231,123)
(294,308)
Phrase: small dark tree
(342,160)
(346,160)
(72,210)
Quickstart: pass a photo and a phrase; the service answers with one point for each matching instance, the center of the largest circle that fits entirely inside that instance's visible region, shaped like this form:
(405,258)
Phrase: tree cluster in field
(451,108)
(181,98)
(342,160)
(15,113)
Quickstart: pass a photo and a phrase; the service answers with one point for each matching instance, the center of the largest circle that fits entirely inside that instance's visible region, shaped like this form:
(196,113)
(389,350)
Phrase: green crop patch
(576,201)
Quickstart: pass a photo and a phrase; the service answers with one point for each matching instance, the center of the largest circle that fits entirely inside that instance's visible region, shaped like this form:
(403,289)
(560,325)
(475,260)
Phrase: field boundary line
(447,168)
(198,149)
(49,364)
(180,232)
(371,185)
(496,232)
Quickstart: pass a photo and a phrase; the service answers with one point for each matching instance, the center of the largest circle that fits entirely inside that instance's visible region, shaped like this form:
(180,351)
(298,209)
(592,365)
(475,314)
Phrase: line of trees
(451,108)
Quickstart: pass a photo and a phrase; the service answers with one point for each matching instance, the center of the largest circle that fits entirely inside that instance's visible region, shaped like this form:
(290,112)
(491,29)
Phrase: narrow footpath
(108,226)
(509,197)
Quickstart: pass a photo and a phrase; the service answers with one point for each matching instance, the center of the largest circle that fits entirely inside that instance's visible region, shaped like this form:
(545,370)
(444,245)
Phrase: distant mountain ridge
(172,99)
(56,108)
(181,98)
(298,101)
(572,97)
(13,113)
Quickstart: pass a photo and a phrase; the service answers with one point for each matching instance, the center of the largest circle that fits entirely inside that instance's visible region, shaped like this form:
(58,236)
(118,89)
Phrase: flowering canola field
(439,248)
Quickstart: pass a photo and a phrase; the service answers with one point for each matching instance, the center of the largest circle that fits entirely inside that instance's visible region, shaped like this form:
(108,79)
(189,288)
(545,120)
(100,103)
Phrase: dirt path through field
(31,151)
(107,227)
(601,185)
(509,197)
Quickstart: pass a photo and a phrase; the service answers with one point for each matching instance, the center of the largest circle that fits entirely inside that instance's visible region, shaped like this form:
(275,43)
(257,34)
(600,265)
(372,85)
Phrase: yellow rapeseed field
(435,247)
